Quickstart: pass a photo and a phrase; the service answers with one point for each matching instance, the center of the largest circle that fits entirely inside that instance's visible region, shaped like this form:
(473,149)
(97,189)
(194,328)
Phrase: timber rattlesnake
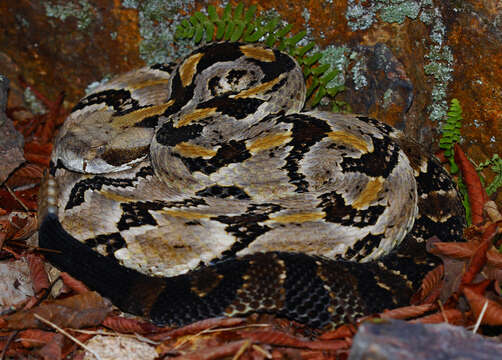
(184,192)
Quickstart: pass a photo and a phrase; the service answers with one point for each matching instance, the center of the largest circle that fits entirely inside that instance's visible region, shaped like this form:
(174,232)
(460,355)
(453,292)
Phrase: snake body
(202,189)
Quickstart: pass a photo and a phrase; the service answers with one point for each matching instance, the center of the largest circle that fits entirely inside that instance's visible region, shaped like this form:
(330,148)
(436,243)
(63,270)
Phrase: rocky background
(402,61)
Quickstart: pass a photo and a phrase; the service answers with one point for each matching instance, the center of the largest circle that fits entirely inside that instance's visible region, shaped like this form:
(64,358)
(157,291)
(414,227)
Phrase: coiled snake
(202,189)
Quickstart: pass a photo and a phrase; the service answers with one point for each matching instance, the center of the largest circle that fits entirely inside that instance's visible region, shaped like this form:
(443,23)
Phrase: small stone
(398,339)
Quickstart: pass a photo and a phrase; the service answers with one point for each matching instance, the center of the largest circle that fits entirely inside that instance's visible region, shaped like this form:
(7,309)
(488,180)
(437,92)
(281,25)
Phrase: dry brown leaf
(27,225)
(278,338)
(493,313)
(53,349)
(123,325)
(216,352)
(34,337)
(77,311)
(454,249)
(478,259)
(197,327)
(494,258)
(328,345)
(274,337)
(311,355)
(476,192)
(72,346)
(74,284)
(344,331)
(454,316)
(39,278)
(430,287)
(407,312)
(27,175)
(493,273)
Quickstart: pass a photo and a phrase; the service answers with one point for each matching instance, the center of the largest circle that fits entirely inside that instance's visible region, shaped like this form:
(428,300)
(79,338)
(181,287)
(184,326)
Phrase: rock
(11,141)
(398,339)
(379,84)
(4,87)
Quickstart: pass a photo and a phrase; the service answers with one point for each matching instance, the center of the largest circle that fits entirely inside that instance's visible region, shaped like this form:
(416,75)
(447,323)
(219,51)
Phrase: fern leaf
(227,13)
(249,16)
(213,15)
(238,31)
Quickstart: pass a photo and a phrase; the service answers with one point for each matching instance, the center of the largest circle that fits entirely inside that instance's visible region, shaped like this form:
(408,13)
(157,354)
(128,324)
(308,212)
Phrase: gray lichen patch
(337,58)
(34,104)
(158,20)
(82,10)
(362,16)
(399,12)
(358,70)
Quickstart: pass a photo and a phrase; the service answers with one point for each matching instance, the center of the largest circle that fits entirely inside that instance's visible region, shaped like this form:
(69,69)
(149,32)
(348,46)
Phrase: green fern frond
(239,24)
(462,188)
(450,133)
(495,164)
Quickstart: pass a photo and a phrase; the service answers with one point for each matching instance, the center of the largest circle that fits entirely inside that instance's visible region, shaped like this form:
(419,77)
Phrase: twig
(13,194)
(206,331)
(262,351)
(7,344)
(21,244)
(212,330)
(241,350)
(45,321)
(480,317)
(440,303)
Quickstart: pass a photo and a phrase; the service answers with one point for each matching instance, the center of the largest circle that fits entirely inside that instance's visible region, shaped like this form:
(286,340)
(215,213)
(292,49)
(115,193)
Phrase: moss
(82,10)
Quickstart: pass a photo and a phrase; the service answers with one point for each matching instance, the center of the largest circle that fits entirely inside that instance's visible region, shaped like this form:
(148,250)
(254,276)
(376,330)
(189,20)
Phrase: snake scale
(202,189)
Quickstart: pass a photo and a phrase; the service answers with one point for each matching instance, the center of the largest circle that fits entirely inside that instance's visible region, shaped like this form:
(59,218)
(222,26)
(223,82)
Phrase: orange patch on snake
(297,218)
(190,150)
(369,194)
(188,68)
(195,115)
(258,53)
(148,83)
(349,139)
(269,141)
(189,215)
(134,117)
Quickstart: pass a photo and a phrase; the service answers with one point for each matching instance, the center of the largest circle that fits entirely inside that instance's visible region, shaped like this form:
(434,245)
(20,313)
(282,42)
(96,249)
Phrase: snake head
(96,143)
